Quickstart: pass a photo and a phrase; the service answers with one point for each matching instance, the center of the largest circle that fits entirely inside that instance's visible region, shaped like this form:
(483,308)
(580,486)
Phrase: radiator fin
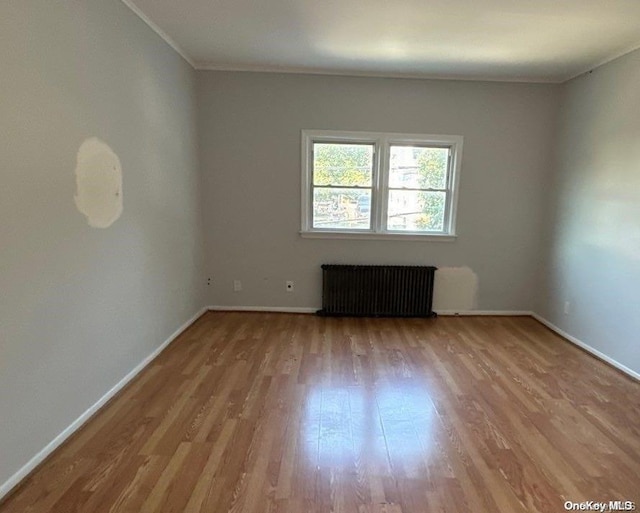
(377,290)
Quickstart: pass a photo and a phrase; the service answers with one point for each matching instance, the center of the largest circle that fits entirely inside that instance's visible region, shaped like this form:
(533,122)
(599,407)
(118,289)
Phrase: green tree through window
(378,183)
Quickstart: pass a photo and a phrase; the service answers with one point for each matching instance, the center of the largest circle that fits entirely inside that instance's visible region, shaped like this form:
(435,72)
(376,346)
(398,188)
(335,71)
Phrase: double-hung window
(375,185)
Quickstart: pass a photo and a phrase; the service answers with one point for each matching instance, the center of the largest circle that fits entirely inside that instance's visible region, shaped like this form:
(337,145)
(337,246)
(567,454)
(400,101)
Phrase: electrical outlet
(567,307)
(208,281)
(289,286)
(237,285)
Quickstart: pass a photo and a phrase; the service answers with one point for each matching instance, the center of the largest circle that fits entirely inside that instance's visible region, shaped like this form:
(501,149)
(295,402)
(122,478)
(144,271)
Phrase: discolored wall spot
(456,288)
(98,183)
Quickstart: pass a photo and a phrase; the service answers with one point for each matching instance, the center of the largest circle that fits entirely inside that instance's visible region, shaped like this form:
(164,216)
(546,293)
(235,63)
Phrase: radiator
(377,291)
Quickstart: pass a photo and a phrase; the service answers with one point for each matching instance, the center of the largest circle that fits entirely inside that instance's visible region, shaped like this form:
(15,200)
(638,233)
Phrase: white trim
(586,347)
(167,39)
(309,309)
(409,236)
(277,309)
(501,313)
(16,478)
(300,70)
(607,60)
(381,142)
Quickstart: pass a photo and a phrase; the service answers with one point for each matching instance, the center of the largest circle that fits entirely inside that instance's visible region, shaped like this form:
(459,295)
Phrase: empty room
(292,256)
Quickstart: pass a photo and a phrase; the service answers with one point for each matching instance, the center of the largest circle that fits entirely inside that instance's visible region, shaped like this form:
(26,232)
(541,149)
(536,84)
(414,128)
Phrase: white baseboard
(586,347)
(280,309)
(504,313)
(308,309)
(16,478)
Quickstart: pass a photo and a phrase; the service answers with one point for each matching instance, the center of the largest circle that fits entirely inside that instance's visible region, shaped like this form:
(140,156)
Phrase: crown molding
(612,58)
(300,70)
(136,10)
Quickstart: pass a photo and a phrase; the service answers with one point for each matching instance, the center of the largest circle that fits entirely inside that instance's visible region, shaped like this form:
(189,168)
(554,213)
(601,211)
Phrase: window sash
(426,232)
(387,188)
(345,143)
(313,205)
(417,189)
(313,186)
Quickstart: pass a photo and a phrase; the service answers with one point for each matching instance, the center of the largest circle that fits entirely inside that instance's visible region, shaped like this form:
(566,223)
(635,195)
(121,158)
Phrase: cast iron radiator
(377,290)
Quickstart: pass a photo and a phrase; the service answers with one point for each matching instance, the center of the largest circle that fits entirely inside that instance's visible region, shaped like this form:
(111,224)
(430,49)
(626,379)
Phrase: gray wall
(592,245)
(250,127)
(80,307)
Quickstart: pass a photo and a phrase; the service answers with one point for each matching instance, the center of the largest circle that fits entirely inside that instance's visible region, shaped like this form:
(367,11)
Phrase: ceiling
(511,40)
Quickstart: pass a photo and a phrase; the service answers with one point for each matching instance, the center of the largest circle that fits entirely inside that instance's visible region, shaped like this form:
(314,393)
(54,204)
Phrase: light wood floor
(259,412)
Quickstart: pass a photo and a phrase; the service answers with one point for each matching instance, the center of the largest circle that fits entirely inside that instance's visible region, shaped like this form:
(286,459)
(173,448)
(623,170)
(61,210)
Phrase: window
(371,185)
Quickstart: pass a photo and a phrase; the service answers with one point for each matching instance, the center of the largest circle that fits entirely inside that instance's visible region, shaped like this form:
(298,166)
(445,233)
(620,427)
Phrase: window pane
(342,164)
(416,211)
(341,208)
(418,167)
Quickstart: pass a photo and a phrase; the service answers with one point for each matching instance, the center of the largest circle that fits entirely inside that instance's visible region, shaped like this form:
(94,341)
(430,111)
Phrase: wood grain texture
(263,412)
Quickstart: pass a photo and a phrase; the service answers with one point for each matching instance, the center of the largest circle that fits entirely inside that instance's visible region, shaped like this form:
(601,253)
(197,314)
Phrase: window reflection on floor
(389,424)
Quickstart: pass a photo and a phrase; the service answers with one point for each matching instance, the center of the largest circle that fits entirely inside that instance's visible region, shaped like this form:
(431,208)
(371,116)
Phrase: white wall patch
(98,183)
(455,288)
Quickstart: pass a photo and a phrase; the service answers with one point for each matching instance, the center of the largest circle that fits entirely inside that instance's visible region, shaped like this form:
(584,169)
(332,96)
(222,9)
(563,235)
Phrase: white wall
(249,128)
(592,246)
(79,306)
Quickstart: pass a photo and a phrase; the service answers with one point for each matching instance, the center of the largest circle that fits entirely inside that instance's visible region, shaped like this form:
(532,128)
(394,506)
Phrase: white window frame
(380,183)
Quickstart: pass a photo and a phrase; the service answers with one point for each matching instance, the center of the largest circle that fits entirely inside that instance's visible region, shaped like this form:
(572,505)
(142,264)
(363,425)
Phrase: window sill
(411,236)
